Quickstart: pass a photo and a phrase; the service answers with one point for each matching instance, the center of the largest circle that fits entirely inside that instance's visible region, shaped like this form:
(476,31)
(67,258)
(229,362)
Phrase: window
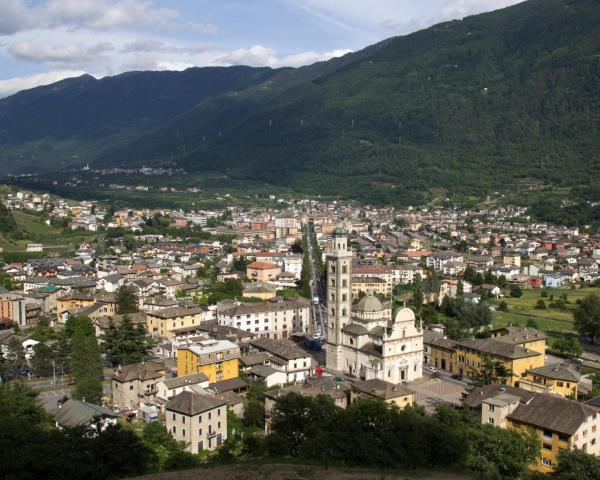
(200,432)
(218,424)
(183,419)
(174,417)
(547,446)
(174,429)
(209,415)
(130,387)
(219,412)
(183,432)
(491,421)
(491,408)
(547,462)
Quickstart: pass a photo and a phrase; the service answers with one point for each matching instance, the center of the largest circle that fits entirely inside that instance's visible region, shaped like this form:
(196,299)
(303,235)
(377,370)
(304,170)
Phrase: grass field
(553,322)
(38,232)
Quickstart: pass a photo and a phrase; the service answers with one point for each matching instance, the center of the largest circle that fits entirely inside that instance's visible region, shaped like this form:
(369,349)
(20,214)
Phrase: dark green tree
(576,465)
(491,371)
(41,361)
(515,291)
(587,317)
(127,301)
(86,365)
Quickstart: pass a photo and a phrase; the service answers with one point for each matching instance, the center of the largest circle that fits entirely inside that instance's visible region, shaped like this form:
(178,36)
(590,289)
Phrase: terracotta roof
(263,266)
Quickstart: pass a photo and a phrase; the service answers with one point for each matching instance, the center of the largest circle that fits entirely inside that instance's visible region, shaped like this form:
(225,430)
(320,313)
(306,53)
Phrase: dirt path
(293,472)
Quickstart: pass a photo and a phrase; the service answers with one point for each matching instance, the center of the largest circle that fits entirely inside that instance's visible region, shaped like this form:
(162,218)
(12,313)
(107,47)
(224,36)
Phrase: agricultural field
(36,231)
(554,322)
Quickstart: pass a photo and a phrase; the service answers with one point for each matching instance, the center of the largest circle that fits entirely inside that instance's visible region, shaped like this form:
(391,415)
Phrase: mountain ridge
(468,107)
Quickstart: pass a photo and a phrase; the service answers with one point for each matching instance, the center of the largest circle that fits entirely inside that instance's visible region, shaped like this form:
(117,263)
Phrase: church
(366,340)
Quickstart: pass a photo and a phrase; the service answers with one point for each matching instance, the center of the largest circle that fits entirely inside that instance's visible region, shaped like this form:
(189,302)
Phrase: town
(207,332)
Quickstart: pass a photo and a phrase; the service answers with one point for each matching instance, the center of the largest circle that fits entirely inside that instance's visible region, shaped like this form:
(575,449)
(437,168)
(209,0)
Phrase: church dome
(339,232)
(370,303)
(405,315)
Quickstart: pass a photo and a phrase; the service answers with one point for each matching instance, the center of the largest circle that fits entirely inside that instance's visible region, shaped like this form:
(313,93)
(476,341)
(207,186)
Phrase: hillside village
(194,312)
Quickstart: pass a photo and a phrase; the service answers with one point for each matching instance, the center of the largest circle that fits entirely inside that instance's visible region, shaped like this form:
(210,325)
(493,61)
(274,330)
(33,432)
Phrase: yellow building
(382,390)
(162,322)
(73,301)
(560,423)
(560,379)
(217,359)
(519,351)
(368,285)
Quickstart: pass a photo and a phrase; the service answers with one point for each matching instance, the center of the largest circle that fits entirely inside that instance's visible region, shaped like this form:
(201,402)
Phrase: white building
(275,319)
(367,341)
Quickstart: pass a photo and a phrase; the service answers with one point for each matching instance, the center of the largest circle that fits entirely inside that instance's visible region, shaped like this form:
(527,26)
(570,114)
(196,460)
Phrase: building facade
(367,340)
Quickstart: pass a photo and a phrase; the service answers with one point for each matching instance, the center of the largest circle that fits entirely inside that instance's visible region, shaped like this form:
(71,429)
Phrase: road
(316,286)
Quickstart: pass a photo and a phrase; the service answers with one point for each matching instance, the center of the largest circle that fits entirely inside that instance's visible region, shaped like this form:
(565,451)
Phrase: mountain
(464,107)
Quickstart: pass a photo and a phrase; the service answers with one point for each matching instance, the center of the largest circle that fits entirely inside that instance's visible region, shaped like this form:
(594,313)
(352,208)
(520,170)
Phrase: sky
(43,41)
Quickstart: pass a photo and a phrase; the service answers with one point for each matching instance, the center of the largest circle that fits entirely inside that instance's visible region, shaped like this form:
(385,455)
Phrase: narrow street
(317,292)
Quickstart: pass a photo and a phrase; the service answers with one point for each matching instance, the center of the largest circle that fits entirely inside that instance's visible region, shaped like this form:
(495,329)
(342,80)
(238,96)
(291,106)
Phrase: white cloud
(19,15)
(259,56)
(16,84)
(77,54)
(13,17)
(392,16)
(152,45)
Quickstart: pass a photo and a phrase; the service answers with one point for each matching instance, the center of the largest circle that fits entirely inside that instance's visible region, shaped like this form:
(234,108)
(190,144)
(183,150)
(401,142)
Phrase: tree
(42,359)
(587,317)
(15,356)
(19,401)
(130,242)
(531,323)
(540,305)
(502,453)
(491,371)
(502,281)
(297,247)
(569,346)
(126,343)
(126,298)
(503,306)
(576,465)
(86,365)
(254,413)
(515,291)
(418,293)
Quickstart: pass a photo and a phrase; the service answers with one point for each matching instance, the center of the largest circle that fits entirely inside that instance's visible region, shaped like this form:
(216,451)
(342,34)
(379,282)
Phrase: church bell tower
(339,297)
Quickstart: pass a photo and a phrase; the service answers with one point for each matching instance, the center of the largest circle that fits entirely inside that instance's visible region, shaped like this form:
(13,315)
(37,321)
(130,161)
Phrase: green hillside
(461,109)
(469,106)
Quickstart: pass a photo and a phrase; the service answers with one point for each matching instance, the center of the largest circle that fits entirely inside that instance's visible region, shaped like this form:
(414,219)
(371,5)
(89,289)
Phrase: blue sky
(42,41)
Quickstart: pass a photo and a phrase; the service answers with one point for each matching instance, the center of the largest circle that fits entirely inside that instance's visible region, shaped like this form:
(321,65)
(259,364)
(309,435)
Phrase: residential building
(276,319)
(136,383)
(561,379)
(161,323)
(559,423)
(217,359)
(388,392)
(262,271)
(286,357)
(199,421)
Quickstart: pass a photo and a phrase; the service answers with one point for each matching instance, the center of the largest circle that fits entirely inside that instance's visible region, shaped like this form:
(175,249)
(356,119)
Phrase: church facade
(366,340)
